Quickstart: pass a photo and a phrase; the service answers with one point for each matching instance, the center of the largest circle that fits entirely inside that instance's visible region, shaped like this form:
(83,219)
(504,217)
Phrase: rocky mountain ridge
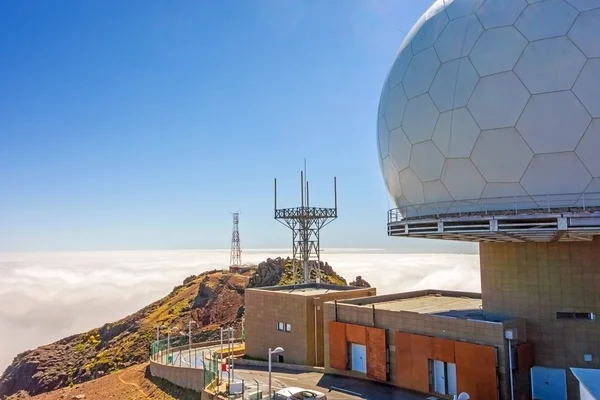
(212,299)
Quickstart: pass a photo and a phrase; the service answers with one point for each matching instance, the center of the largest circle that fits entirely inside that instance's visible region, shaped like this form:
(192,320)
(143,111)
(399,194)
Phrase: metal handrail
(509,205)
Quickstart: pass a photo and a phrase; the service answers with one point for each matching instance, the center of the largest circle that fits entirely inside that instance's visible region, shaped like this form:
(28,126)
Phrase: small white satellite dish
(462,396)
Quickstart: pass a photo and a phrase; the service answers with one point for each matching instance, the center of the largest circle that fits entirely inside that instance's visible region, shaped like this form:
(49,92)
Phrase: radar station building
(292,317)
(486,135)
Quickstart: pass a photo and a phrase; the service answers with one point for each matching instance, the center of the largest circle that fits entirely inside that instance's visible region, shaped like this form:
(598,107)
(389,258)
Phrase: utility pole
(235,258)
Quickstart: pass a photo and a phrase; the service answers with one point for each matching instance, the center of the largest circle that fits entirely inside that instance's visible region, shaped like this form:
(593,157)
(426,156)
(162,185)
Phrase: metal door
(451,378)
(439,377)
(359,358)
(548,383)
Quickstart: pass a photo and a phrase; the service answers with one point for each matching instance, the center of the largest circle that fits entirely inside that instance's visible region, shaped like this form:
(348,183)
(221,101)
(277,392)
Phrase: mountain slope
(211,299)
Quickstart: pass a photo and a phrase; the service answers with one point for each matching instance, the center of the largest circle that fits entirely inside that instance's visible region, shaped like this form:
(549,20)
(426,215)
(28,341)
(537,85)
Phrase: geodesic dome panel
(494,104)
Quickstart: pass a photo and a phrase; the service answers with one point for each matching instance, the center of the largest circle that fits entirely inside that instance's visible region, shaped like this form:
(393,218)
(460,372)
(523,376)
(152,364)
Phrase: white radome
(494,104)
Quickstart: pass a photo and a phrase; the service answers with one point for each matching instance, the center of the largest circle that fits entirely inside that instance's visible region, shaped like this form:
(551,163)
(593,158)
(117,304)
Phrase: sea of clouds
(47,296)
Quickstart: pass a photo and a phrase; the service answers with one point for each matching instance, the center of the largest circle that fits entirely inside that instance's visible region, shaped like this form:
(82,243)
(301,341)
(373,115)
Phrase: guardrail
(513,205)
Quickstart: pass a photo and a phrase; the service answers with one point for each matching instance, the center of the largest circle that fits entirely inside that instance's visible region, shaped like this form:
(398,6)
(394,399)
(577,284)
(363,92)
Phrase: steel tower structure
(235,258)
(306,223)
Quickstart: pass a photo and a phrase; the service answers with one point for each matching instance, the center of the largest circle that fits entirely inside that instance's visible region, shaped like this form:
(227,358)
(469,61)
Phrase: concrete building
(292,317)
(486,135)
(429,341)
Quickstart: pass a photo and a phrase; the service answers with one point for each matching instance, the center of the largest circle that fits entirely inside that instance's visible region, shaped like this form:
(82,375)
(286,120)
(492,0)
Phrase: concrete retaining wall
(265,364)
(189,378)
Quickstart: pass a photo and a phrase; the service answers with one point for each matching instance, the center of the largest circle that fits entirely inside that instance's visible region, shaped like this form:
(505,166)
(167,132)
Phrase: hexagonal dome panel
(399,67)
(588,148)
(392,178)
(555,173)
(420,73)
(426,161)
(584,5)
(455,133)
(454,84)
(553,122)
(429,32)
(394,109)
(457,9)
(546,19)
(436,192)
(499,190)
(586,87)
(550,65)
(420,118)
(462,179)
(382,138)
(593,187)
(501,155)
(458,38)
(585,33)
(495,13)
(383,99)
(508,44)
(412,188)
(399,148)
(498,100)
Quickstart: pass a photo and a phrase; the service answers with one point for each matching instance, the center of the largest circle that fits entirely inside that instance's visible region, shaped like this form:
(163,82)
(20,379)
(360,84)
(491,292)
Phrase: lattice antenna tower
(235,258)
(306,223)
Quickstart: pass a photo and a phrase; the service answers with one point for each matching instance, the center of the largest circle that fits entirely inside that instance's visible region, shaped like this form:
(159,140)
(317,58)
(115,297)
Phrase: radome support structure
(235,258)
(306,223)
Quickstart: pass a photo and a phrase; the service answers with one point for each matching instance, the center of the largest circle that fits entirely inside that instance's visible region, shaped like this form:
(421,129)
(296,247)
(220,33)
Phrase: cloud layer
(46,296)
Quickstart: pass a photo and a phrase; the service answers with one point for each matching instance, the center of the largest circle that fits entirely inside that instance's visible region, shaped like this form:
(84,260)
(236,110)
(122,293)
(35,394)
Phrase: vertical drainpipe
(335,303)
(316,338)
(373,305)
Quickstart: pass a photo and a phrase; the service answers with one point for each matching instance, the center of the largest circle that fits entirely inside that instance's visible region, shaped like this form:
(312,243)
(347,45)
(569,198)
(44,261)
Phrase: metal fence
(499,205)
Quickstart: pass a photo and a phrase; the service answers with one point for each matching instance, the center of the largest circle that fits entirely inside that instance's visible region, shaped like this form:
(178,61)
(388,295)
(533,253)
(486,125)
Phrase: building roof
(310,289)
(431,304)
(590,379)
(443,303)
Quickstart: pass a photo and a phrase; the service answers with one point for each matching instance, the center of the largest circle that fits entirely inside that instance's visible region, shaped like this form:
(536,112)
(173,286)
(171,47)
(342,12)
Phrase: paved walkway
(336,387)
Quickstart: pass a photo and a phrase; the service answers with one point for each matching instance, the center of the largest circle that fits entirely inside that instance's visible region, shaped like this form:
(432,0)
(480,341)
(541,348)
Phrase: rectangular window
(280,326)
(574,315)
(288,327)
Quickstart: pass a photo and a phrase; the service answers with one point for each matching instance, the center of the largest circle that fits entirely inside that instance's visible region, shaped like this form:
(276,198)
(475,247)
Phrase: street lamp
(277,350)
(190,333)
(190,340)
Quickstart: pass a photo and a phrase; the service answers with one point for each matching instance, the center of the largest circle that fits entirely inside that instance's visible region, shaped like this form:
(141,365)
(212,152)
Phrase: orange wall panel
(376,354)
(338,347)
(421,347)
(356,334)
(443,350)
(476,370)
(403,360)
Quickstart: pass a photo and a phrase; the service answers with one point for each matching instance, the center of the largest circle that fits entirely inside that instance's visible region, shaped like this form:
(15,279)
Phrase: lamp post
(277,350)
(174,329)
(190,340)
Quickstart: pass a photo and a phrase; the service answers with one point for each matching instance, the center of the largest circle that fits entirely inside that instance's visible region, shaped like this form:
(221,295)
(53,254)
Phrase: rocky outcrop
(280,271)
(360,282)
(212,299)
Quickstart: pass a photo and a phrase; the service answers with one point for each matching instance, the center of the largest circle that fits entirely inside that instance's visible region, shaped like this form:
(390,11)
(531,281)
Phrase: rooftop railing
(499,206)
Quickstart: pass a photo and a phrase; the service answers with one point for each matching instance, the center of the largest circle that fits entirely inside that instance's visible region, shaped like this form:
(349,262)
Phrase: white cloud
(46,296)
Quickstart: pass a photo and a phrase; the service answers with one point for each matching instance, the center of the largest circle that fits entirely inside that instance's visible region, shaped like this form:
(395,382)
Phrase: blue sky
(144,124)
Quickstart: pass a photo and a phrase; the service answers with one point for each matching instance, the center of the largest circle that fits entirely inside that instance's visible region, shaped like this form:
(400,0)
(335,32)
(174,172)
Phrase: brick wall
(263,310)
(422,324)
(536,280)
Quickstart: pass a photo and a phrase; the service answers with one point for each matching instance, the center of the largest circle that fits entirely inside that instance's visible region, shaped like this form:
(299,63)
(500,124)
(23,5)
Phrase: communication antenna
(235,259)
(306,223)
